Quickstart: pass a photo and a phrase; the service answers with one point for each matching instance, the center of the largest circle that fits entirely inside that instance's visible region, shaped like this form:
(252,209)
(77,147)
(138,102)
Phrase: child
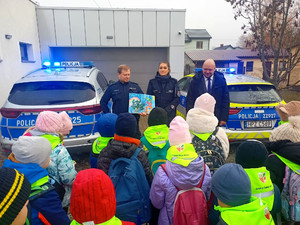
(184,169)
(93,199)
(252,156)
(106,128)
(231,185)
(210,141)
(30,156)
(156,136)
(15,190)
(61,169)
(67,124)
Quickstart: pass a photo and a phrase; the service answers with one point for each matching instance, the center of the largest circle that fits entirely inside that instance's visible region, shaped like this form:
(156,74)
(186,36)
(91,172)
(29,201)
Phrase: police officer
(119,93)
(165,89)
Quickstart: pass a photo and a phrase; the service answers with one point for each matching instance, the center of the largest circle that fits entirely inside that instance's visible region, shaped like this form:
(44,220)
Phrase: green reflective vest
(261,185)
(254,213)
(202,136)
(112,221)
(156,141)
(293,166)
(54,140)
(100,143)
(182,154)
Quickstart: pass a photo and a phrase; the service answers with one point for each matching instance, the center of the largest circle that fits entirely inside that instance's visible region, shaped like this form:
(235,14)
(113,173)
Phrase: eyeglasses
(163,68)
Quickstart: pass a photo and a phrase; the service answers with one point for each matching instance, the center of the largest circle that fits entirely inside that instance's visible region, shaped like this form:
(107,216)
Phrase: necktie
(209,85)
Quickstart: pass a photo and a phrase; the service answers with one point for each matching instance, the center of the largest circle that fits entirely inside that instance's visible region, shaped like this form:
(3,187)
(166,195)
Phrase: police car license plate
(258,124)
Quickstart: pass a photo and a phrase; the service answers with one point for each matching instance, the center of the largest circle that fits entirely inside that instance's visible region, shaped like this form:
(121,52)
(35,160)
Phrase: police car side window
(102,80)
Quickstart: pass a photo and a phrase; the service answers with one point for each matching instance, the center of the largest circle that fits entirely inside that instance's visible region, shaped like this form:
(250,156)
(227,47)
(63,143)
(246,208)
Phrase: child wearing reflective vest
(252,156)
(231,185)
(156,136)
(93,199)
(31,156)
(106,128)
(53,126)
(184,170)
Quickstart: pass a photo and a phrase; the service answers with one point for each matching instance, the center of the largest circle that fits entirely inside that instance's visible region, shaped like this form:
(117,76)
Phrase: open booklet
(139,103)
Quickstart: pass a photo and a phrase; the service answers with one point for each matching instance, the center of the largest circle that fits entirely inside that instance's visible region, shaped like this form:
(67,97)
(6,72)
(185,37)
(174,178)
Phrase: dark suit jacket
(219,92)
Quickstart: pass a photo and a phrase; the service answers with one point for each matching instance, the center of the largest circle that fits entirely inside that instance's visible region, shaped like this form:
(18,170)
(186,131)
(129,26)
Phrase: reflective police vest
(253,213)
(112,221)
(100,143)
(261,184)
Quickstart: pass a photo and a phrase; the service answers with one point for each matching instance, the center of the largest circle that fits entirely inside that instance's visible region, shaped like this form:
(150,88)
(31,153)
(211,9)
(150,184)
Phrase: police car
(74,87)
(252,113)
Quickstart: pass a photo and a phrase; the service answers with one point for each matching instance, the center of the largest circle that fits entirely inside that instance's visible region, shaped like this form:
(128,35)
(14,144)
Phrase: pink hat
(49,122)
(179,132)
(205,102)
(66,122)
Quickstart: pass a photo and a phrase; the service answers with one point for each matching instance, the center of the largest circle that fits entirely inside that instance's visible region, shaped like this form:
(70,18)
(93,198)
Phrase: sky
(216,16)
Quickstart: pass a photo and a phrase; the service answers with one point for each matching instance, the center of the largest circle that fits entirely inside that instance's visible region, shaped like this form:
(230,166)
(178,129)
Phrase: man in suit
(213,82)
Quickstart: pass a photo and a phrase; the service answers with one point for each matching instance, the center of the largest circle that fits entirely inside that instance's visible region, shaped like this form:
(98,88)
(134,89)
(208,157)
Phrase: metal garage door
(143,61)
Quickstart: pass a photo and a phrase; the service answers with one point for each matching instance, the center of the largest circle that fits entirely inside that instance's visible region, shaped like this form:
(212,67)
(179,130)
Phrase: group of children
(173,175)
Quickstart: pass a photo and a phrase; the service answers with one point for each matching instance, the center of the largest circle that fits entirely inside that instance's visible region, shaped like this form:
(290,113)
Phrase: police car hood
(185,177)
(201,121)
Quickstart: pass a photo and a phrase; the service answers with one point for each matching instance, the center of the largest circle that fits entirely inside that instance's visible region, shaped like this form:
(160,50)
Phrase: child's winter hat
(157,116)
(205,102)
(126,125)
(14,193)
(179,132)
(287,131)
(93,197)
(251,154)
(106,124)
(49,122)
(231,185)
(32,149)
(67,125)
(290,109)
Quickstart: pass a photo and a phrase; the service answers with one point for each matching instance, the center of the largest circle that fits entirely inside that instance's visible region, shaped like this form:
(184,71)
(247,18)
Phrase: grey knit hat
(231,185)
(287,131)
(32,149)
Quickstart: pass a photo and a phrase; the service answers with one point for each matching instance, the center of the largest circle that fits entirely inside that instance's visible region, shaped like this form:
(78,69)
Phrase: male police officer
(119,93)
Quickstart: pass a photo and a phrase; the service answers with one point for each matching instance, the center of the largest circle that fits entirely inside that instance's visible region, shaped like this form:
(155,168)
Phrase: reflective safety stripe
(159,142)
(264,194)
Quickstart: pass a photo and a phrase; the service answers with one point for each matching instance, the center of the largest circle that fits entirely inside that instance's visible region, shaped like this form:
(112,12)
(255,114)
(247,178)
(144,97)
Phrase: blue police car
(252,113)
(74,87)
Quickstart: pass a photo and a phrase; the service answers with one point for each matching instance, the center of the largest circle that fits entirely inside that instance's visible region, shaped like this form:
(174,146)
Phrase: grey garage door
(143,61)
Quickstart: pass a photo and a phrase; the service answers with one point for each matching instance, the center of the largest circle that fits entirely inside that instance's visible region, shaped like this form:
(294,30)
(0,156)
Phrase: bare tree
(274,26)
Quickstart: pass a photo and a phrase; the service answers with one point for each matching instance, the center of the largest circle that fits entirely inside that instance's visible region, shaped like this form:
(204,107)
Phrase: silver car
(73,87)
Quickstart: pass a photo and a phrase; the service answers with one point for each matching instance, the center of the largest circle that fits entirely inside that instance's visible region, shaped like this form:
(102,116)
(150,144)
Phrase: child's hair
(157,116)
(15,190)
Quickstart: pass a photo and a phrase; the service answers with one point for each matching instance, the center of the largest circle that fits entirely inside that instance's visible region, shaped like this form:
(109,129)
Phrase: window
(282,65)
(26,53)
(249,66)
(199,44)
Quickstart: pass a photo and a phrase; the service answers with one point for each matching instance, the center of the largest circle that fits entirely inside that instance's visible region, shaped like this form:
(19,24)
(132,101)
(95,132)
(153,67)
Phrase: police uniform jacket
(219,92)
(119,93)
(165,89)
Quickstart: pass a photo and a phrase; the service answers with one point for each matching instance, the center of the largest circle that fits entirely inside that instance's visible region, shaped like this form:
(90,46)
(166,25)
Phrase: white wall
(17,18)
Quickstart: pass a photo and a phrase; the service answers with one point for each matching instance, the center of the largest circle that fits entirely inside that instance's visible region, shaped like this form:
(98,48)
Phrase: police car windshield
(51,93)
(253,94)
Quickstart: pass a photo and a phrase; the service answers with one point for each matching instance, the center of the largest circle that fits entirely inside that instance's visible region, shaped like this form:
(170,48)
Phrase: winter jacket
(61,167)
(119,93)
(201,121)
(163,191)
(166,92)
(48,204)
(219,92)
(286,149)
(123,147)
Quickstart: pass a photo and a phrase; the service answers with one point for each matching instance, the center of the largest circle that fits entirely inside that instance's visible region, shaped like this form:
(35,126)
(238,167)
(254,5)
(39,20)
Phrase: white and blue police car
(74,87)
(252,113)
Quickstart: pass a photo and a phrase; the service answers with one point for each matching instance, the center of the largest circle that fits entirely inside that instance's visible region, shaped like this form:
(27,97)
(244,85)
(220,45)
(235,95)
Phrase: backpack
(210,150)
(290,195)
(157,156)
(190,206)
(132,189)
